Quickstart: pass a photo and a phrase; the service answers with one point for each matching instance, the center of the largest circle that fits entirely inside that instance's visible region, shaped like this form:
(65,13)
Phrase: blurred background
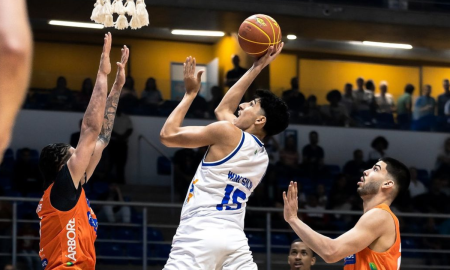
(363,80)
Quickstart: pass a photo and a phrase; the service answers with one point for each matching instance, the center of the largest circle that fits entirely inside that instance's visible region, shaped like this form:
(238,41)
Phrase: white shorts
(203,243)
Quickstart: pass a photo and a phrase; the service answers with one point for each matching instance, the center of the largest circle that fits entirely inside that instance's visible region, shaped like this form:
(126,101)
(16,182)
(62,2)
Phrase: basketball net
(104,10)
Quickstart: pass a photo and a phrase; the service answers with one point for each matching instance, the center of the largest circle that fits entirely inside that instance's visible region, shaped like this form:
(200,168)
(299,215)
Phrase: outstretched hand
(120,76)
(192,82)
(291,202)
(272,53)
(105,64)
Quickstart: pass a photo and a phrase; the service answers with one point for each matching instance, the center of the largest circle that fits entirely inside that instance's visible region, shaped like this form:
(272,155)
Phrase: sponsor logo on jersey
(92,221)
(373,266)
(39,208)
(71,242)
(350,259)
(191,191)
(44,263)
(239,179)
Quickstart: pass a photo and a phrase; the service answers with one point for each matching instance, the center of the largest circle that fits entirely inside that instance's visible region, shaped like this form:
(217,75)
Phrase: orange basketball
(257,33)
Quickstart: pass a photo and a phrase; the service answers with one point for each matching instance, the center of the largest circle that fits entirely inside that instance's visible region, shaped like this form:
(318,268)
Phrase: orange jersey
(368,259)
(67,237)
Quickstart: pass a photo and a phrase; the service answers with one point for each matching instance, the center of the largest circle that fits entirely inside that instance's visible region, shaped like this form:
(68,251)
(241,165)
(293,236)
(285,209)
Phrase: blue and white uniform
(211,231)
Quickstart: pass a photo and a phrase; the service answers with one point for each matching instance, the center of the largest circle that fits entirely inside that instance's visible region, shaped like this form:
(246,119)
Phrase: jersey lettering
(71,243)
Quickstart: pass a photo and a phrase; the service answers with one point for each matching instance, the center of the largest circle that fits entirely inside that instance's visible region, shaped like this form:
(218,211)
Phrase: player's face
(248,113)
(372,179)
(300,257)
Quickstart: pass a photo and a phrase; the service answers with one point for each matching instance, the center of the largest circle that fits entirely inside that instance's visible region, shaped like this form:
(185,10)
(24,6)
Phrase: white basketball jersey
(221,189)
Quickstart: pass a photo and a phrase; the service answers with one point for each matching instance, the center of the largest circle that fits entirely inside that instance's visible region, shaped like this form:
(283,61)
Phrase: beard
(368,189)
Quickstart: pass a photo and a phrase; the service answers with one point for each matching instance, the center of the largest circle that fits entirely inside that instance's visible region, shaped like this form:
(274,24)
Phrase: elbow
(166,139)
(16,48)
(330,254)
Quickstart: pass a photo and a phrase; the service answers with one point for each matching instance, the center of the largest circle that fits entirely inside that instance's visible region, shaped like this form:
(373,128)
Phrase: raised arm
(174,135)
(93,118)
(15,64)
(370,227)
(110,114)
(230,102)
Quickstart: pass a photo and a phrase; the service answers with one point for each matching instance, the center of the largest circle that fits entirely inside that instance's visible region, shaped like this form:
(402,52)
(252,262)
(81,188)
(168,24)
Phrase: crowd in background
(357,105)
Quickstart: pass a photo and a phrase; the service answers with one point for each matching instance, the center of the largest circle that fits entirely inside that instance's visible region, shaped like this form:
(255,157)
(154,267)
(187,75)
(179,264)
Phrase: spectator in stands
(61,97)
(425,105)
(370,86)
(294,99)
(379,146)
(313,156)
(84,95)
(341,199)
(151,96)
(301,256)
(236,73)
(75,137)
(384,100)
(434,201)
(118,145)
(416,187)
(355,168)
(184,170)
(404,107)
(443,98)
(26,176)
(433,243)
(317,221)
(113,214)
(322,196)
(311,112)
(334,114)
(347,99)
(128,97)
(29,247)
(272,147)
(199,108)
(289,157)
(443,159)
(217,95)
(363,97)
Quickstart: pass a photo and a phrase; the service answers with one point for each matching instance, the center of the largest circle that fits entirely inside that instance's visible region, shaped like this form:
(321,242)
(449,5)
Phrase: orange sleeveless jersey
(67,237)
(368,259)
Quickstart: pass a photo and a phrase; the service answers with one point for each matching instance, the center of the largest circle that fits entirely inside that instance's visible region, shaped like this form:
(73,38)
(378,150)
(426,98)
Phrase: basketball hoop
(104,10)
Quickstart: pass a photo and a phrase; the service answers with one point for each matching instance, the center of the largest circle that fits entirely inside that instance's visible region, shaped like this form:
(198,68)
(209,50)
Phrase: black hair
(52,157)
(314,132)
(380,139)
(300,240)
(409,88)
(334,94)
(370,84)
(399,172)
(275,111)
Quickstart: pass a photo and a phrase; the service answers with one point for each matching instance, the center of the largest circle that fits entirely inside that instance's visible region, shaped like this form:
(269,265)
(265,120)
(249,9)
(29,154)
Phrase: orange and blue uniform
(368,259)
(67,237)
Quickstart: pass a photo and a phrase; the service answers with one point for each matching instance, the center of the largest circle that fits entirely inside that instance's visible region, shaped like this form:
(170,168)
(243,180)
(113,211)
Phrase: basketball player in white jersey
(210,235)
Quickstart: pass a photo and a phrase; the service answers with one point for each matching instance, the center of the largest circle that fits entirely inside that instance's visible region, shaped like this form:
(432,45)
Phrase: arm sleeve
(64,196)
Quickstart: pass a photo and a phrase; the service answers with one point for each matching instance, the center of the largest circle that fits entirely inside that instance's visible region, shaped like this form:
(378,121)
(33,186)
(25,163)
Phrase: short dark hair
(334,94)
(370,84)
(52,157)
(380,139)
(409,88)
(275,110)
(399,172)
(300,240)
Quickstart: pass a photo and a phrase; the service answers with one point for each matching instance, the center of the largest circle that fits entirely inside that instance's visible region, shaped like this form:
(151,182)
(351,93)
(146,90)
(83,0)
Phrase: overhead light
(76,24)
(383,44)
(198,33)
(291,37)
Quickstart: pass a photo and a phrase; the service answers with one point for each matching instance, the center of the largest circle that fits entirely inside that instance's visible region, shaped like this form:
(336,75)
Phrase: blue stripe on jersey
(204,163)
(257,140)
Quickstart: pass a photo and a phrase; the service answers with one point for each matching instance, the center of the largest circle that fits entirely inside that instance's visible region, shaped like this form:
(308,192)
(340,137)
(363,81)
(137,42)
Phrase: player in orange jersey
(15,64)
(374,242)
(68,224)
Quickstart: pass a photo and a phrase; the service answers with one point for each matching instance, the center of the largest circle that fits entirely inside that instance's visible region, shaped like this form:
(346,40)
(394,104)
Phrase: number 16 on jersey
(226,199)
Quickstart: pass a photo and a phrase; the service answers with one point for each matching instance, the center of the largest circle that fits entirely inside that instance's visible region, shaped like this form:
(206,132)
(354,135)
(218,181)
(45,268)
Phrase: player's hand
(291,202)
(192,83)
(120,76)
(105,63)
(271,54)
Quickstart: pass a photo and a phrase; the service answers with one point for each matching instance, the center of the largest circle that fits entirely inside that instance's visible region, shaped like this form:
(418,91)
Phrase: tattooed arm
(110,114)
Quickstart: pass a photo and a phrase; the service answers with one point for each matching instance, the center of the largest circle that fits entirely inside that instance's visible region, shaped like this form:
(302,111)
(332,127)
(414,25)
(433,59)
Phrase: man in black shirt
(355,167)
(236,73)
(313,156)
